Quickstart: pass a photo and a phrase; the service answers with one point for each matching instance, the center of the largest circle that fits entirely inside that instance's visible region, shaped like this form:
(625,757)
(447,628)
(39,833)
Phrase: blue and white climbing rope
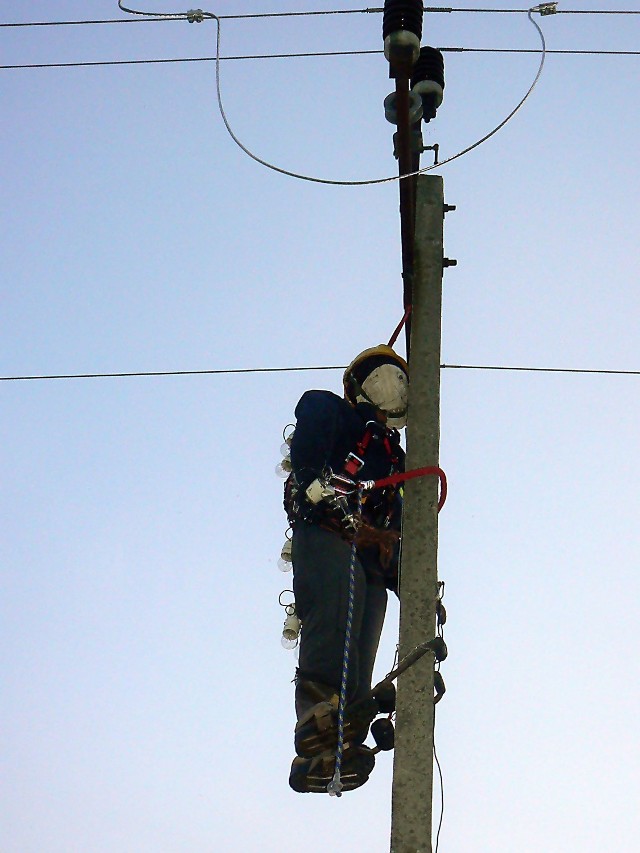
(334,788)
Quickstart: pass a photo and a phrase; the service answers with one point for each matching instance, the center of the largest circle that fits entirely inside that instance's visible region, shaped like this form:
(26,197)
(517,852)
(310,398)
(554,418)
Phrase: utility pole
(411,823)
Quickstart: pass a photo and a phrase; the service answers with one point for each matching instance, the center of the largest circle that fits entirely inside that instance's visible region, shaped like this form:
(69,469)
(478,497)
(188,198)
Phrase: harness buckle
(342,485)
(353,464)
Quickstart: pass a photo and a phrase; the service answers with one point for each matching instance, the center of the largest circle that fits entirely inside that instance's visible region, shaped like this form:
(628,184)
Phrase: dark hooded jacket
(328,428)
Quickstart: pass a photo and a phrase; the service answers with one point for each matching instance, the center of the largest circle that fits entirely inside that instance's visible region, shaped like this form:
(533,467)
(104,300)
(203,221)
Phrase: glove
(384,540)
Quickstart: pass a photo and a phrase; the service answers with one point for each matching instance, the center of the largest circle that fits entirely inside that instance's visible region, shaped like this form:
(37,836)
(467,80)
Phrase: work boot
(310,693)
(312,775)
(317,713)
(317,730)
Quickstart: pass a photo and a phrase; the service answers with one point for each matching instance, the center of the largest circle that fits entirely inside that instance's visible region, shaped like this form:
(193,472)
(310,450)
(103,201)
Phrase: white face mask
(387,387)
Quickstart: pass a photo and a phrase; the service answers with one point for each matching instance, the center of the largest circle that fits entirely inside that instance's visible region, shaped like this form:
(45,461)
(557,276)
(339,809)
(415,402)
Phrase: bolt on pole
(411,822)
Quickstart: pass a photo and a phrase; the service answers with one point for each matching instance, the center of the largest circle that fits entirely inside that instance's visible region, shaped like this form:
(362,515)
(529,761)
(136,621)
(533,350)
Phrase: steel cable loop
(201,15)
(374,181)
(173,15)
(334,788)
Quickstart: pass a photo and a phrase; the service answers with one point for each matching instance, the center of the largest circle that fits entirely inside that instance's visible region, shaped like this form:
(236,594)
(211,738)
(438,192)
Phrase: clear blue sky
(146,700)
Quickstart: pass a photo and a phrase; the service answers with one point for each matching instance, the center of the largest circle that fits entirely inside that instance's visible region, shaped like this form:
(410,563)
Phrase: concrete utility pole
(411,823)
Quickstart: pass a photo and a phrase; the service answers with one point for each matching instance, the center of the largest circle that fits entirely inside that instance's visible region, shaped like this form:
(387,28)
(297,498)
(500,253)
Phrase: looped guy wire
(198,16)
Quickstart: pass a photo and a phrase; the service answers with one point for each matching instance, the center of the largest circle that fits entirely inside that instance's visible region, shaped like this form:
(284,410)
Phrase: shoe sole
(313,775)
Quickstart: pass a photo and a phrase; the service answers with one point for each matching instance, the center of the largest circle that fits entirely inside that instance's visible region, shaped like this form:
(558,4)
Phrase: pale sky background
(146,701)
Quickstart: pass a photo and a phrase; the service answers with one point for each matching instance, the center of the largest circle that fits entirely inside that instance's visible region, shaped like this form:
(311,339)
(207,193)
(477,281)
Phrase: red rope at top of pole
(394,336)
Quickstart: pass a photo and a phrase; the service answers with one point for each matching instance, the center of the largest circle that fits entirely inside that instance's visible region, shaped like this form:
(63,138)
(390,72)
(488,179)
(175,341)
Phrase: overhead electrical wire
(10,24)
(150,16)
(540,369)
(198,16)
(167,18)
(428,10)
(170,373)
(565,52)
(246,370)
(522,11)
(305,55)
(327,12)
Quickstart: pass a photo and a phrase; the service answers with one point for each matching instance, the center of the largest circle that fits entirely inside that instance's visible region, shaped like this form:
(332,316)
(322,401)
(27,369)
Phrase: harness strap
(355,461)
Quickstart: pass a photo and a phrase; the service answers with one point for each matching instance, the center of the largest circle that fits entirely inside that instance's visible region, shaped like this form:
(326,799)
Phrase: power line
(327,53)
(429,10)
(524,11)
(328,12)
(532,50)
(200,16)
(540,369)
(81,23)
(187,59)
(170,373)
(247,370)
(173,18)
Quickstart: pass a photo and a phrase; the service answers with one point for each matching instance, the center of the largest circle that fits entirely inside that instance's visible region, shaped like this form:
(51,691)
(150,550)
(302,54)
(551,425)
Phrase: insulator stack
(429,66)
(427,79)
(402,15)
(402,30)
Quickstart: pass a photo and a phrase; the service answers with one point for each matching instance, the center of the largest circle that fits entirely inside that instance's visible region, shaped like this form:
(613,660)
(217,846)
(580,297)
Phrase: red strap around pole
(398,329)
(394,479)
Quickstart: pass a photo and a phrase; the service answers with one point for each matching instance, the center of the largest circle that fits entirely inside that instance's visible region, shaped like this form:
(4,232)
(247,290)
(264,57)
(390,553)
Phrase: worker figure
(338,442)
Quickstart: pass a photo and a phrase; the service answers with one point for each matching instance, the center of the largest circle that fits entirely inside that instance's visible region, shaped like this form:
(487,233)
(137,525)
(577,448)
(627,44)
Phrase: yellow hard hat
(365,362)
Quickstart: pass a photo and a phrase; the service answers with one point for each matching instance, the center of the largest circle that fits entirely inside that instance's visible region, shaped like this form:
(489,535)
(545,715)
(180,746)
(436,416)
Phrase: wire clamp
(546,8)
(195,16)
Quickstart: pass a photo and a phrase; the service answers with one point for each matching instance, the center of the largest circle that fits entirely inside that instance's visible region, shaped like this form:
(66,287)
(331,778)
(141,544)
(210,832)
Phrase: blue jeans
(321,560)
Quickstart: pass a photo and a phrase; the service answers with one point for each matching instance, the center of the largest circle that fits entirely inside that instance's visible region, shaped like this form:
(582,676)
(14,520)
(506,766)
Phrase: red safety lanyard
(396,479)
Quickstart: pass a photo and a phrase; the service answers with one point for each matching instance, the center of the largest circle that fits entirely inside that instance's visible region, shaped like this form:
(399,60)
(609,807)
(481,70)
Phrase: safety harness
(355,461)
(344,484)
